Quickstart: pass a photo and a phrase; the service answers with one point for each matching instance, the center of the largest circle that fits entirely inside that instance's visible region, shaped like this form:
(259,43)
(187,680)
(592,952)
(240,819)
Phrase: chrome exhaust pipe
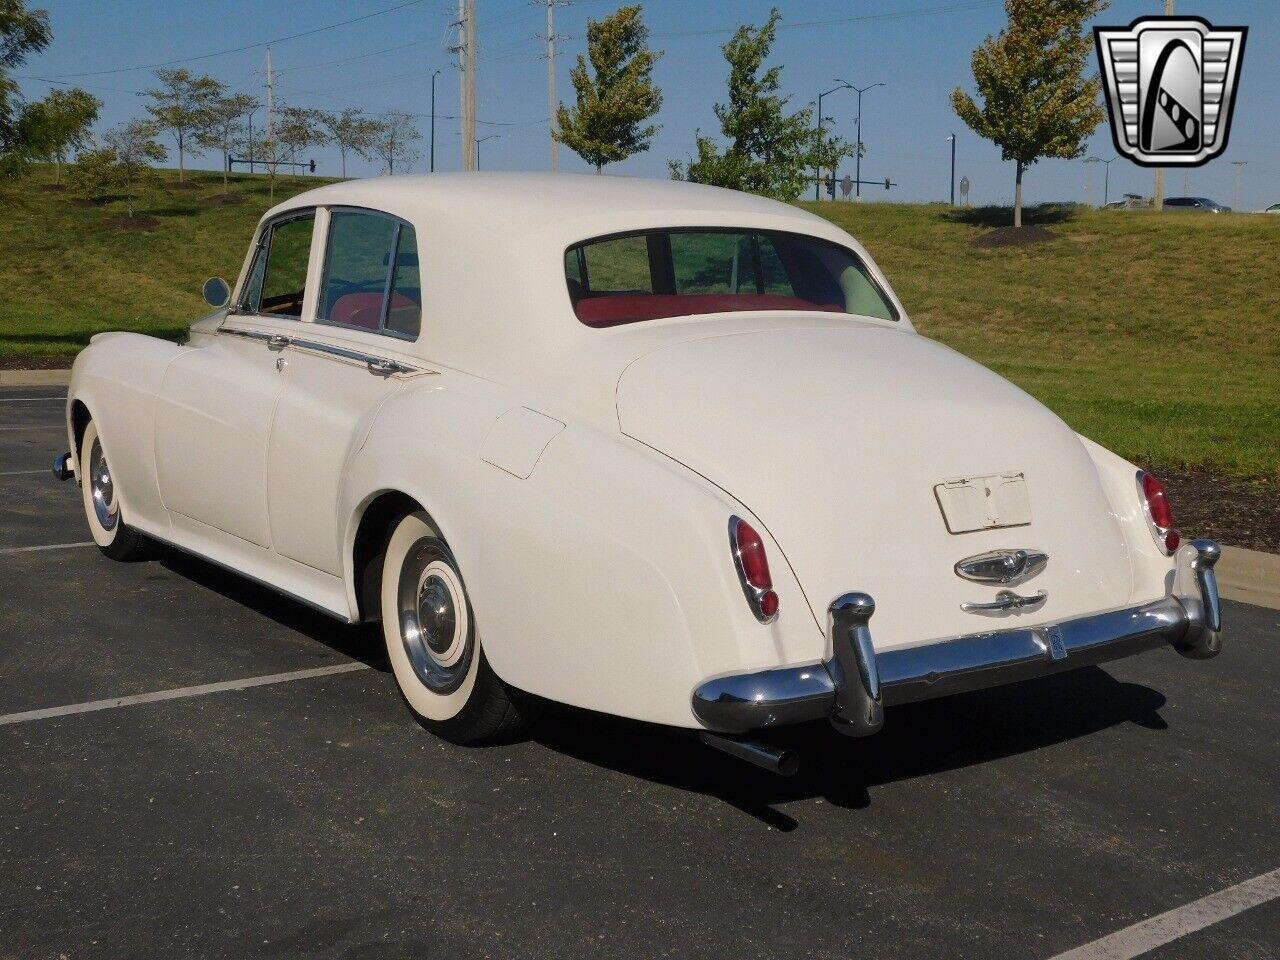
(779,760)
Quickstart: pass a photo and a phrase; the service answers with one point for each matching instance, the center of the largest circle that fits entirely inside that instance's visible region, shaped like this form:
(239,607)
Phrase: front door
(337,373)
(213,416)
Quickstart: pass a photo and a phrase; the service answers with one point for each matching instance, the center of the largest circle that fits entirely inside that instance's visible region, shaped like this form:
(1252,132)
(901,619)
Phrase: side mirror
(216,292)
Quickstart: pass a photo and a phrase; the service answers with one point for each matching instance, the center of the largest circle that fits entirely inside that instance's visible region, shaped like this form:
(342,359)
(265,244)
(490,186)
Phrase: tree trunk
(181,175)
(226,166)
(343,151)
(1017,197)
(57,168)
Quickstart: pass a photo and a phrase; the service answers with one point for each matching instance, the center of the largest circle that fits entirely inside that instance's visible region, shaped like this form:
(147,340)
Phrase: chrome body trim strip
(852,687)
(380,366)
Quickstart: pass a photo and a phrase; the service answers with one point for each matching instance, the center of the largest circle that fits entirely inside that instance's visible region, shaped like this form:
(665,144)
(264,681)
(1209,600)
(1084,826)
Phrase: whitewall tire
(101,498)
(432,640)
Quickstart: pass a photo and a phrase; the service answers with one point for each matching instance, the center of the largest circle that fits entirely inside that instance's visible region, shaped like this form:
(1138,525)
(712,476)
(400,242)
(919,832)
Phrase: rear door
(213,416)
(337,373)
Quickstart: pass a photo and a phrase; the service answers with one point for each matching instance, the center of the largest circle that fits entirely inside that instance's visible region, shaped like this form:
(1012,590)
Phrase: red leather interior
(610,311)
(364,309)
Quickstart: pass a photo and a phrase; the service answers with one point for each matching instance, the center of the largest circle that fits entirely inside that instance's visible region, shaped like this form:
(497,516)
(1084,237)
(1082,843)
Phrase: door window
(404,315)
(284,283)
(371,274)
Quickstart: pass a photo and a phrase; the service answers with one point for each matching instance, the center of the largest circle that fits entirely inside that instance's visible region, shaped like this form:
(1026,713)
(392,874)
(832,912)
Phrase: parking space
(312,817)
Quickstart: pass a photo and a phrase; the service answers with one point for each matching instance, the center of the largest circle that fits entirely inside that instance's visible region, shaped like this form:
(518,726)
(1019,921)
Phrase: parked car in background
(643,447)
(1131,201)
(1274,208)
(1196,204)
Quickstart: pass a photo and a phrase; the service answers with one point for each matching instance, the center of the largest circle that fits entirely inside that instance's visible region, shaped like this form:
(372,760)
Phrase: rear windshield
(674,273)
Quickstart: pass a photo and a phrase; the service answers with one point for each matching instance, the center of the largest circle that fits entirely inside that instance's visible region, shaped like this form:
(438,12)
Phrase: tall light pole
(433,120)
(952,138)
(842,86)
(1235,194)
(1106,180)
(492,136)
(857,156)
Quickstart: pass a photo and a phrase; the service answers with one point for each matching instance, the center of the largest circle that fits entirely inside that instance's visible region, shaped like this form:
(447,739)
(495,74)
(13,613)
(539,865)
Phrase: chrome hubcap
(101,489)
(435,624)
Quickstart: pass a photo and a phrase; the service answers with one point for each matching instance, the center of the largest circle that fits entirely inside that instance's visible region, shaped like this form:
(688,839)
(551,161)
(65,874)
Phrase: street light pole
(842,86)
(433,120)
(1235,194)
(857,155)
(1106,180)
(491,136)
(952,138)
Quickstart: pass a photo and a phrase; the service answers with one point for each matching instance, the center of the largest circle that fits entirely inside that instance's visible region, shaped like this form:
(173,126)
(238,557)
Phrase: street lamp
(492,136)
(1106,180)
(857,175)
(952,138)
(1235,194)
(433,120)
(842,86)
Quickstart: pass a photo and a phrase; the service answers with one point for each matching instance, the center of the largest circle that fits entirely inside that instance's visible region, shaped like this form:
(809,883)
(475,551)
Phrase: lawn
(1157,335)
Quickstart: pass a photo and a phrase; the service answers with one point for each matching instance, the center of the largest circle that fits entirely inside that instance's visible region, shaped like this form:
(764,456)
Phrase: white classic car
(646,448)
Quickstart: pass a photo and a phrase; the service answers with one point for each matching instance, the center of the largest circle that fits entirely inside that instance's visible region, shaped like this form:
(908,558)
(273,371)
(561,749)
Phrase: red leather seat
(610,311)
(364,309)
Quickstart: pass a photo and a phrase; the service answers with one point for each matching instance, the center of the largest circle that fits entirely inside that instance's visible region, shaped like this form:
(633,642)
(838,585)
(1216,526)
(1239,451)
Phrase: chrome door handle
(1006,600)
(385,368)
(278,342)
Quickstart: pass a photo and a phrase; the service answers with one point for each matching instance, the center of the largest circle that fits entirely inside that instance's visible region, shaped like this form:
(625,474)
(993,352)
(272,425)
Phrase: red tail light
(1159,514)
(753,569)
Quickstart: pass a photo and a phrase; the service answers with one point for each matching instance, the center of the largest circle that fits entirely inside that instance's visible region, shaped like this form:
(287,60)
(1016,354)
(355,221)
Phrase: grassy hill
(1159,336)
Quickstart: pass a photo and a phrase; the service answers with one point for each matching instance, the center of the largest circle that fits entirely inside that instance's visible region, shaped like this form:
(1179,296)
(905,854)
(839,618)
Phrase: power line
(251,46)
(837,21)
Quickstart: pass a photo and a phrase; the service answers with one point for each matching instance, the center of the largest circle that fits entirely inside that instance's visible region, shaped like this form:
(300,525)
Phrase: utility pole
(270,91)
(433,121)
(1157,198)
(465,49)
(952,138)
(554,126)
(470,132)
(1235,194)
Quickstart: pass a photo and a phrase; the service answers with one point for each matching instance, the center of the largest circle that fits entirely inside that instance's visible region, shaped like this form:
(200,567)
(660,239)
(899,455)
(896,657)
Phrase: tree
(393,140)
(28,131)
(769,152)
(352,131)
(1036,100)
(608,122)
(94,173)
(182,106)
(66,116)
(225,123)
(135,147)
(296,129)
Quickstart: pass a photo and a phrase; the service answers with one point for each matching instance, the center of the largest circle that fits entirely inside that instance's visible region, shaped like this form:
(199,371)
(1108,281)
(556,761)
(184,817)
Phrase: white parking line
(1157,931)
(47,546)
(45,426)
(29,399)
(179,693)
(21,473)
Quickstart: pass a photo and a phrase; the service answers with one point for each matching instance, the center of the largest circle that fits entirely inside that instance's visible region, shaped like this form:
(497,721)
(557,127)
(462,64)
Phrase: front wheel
(114,537)
(433,644)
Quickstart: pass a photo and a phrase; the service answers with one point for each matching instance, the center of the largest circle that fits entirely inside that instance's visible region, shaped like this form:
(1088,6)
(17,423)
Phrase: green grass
(1157,335)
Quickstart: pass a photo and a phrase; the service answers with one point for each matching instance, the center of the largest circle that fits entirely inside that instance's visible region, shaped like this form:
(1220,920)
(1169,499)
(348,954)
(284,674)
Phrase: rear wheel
(114,537)
(433,644)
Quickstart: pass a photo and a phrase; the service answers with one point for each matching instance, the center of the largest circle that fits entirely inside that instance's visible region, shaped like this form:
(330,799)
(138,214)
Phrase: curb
(34,378)
(1249,576)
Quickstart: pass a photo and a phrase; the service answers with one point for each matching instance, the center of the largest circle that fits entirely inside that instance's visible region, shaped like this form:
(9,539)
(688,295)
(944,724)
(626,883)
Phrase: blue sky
(919,49)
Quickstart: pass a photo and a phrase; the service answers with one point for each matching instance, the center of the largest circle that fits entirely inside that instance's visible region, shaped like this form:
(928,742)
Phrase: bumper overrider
(857,683)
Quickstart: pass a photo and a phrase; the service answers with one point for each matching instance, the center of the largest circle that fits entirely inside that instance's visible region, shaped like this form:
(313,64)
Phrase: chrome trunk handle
(384,368)
(1006,600)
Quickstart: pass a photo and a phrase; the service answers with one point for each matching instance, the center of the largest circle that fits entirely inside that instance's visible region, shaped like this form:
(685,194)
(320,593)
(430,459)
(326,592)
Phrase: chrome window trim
(382,330)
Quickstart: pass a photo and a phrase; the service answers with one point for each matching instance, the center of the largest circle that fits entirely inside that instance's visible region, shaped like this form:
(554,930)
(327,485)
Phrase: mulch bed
(51,361)
(1023,236)
(89,201)
(1230,511)
(183,185)
(133,223)
(222,200)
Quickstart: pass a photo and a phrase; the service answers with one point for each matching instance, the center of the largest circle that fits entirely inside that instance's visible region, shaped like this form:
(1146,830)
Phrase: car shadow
(918,740)
(362,642)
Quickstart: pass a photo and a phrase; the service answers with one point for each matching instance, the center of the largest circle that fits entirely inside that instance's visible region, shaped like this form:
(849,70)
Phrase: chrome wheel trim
(102,489)
(434,620)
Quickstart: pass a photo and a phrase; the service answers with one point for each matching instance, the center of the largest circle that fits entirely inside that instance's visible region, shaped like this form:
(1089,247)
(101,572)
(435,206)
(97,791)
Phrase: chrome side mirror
(217,293)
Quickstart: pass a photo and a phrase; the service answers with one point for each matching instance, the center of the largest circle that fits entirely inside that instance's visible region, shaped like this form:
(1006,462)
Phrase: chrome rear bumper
(854,686)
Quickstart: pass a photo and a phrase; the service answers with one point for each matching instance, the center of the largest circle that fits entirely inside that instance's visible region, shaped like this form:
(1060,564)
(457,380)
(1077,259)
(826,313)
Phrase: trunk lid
(848,442)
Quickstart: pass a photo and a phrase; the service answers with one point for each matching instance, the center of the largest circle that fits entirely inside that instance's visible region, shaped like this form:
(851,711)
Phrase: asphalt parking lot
(310,816)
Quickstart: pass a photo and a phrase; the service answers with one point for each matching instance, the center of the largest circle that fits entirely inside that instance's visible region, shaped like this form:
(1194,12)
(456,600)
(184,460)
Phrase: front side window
(681,272)
(371,274)
(283,286)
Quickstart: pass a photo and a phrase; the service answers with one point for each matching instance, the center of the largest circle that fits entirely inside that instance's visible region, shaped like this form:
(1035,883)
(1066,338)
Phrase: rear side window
(371,276)
(284,283)
(680,272)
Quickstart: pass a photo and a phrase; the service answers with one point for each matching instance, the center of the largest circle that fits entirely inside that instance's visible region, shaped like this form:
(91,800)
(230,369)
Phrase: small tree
(182,106)
(94,174)
(226,121)
(66,116)
(296,129)
(769,152)
(135,148)
(393,140)
(1036,100)
(608,122)
(352,131)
